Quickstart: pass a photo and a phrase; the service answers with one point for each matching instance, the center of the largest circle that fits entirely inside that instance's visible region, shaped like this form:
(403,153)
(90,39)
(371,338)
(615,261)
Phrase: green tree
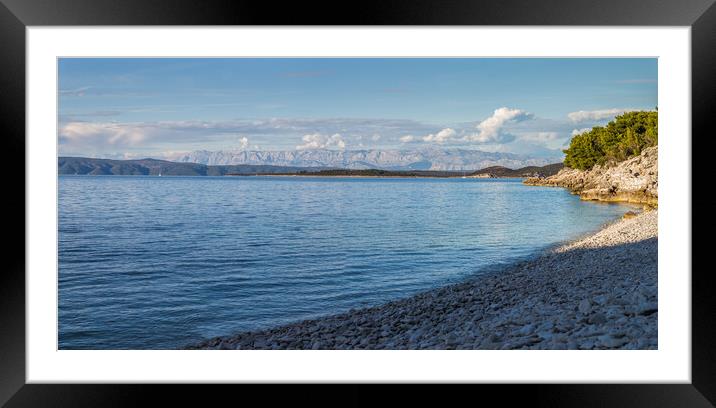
(624,137)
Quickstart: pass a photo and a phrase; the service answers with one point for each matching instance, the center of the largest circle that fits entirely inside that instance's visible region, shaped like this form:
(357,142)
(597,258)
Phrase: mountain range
(154,167)
(426,159)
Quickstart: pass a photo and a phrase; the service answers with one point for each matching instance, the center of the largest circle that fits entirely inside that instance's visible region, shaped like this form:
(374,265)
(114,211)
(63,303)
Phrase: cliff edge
(634,180)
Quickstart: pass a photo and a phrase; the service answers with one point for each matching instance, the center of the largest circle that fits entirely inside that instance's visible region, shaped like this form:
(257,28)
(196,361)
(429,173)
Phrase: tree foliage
(624,137)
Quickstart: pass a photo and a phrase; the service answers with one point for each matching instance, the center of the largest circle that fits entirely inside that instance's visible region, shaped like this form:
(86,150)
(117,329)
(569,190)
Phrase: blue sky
(128,108)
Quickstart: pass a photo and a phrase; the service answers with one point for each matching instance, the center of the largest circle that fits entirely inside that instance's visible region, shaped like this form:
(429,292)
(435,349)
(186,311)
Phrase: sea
(164,262)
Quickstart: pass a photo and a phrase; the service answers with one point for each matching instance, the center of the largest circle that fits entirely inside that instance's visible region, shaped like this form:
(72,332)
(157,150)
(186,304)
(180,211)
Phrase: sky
(160,107)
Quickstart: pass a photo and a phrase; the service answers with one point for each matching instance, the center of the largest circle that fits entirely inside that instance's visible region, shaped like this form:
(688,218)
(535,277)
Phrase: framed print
(420,194)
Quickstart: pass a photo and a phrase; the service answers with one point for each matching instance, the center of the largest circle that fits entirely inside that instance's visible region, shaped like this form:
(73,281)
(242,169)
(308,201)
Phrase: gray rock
(584,306)
(647,308)
(612,342)
(525,330)
(598,318)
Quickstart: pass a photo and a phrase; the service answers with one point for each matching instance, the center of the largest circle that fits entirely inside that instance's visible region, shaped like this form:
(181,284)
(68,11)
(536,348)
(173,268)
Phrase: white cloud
(74,92)
(594,115)
(540,137)
(319,141)
(102,134)
(576,132)
(526,148)
(440,137)
(491,130)
(170,155)
(109,138)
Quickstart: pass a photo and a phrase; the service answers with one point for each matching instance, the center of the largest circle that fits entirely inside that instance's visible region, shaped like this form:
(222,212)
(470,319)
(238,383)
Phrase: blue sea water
(162,262)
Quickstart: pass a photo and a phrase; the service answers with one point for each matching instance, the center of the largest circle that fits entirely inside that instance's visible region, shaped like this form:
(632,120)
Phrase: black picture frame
(16,15)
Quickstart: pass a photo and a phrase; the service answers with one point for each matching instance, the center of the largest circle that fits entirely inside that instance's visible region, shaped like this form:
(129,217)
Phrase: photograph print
(357,203)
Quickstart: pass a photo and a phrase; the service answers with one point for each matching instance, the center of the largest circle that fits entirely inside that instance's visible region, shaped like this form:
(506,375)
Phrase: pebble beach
(598,292)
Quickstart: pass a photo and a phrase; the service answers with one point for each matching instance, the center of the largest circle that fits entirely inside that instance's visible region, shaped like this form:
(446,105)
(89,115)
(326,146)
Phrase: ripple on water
(163,262)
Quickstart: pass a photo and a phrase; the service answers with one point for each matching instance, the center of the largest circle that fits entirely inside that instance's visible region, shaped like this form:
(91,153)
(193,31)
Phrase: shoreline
(374,177)
(598,291)
(294,175)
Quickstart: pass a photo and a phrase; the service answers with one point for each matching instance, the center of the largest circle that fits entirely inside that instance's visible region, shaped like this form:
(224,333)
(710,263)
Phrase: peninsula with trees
(617,162)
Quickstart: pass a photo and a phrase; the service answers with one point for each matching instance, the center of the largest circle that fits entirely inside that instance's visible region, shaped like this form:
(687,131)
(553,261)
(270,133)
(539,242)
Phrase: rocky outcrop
(634,180)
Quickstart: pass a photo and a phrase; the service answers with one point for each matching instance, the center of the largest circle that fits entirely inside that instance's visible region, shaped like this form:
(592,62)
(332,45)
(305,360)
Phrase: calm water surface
(161,262)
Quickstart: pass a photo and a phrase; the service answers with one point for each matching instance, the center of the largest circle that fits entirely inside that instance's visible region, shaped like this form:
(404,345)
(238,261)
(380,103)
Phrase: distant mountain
(427,159)
(152,167)
(375,173)
(529,171)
